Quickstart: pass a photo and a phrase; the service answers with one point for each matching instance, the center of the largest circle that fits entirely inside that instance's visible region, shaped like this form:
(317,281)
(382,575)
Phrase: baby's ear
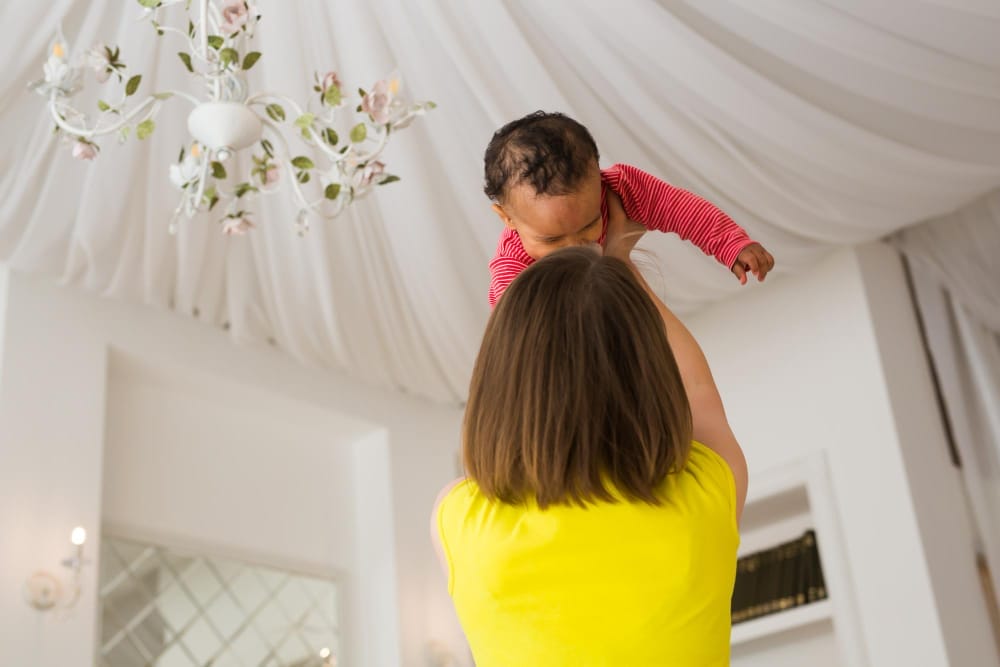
(502,214)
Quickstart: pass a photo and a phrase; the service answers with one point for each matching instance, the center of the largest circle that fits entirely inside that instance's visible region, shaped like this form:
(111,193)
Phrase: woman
(598,522)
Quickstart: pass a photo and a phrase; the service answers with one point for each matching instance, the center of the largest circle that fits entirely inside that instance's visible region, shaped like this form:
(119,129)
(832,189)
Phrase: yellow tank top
(616,584)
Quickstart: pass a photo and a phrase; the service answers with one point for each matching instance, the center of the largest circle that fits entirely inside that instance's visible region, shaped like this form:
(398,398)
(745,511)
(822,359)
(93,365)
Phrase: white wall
(831,361)
(193,461)
(193,457)
(55,363)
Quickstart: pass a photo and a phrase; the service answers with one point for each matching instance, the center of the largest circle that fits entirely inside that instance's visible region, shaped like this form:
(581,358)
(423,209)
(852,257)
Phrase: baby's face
(547,223)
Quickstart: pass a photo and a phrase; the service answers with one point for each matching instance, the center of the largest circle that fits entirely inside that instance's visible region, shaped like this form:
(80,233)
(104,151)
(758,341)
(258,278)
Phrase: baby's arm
(666,208)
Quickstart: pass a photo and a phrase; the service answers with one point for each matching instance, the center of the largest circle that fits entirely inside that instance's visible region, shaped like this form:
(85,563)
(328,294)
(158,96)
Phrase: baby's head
(543,179)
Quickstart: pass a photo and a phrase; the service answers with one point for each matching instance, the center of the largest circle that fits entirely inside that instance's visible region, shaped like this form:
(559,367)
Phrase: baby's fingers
(765,261)
(753,263)
(740,272)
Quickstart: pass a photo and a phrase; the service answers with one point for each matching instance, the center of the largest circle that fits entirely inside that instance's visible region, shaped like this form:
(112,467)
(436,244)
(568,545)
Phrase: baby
(543,177)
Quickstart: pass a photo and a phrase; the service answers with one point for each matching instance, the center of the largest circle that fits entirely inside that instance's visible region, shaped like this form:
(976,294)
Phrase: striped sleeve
(666,208)
(508,262)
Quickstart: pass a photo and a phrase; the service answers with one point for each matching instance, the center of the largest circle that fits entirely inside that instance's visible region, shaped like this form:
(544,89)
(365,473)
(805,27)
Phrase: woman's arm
(710,425)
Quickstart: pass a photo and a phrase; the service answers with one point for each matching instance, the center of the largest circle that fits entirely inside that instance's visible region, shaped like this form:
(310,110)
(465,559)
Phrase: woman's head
(575,387)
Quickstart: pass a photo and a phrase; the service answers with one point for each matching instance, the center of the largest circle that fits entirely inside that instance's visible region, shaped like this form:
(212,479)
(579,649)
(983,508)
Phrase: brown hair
(575,387)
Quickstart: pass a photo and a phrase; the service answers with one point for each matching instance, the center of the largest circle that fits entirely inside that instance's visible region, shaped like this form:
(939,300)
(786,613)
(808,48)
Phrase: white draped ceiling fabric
(815,124)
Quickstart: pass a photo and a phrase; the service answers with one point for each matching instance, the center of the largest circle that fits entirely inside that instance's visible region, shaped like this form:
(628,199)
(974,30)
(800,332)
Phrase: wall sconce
(44,590)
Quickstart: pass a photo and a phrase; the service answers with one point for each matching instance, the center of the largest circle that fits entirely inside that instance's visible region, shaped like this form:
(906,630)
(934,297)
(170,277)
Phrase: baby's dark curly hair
(550,151)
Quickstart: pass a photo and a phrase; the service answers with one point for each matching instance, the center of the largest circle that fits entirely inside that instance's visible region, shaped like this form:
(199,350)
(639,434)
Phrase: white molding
(778,622)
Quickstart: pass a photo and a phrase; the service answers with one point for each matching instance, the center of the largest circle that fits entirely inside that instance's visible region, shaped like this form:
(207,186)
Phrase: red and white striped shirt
(649,201)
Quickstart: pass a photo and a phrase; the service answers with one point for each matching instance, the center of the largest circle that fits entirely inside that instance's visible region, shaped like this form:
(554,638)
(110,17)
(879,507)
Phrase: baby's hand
(622,233)
(754,259)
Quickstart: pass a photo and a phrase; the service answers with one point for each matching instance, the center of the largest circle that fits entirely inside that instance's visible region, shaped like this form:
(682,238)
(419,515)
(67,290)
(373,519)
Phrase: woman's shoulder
(712,475)
(704,461)
(438,530)
(458,492)
(702,452)
(453,487)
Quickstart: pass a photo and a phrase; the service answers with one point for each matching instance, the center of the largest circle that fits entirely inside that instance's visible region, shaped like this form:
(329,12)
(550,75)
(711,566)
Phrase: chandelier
(338,159)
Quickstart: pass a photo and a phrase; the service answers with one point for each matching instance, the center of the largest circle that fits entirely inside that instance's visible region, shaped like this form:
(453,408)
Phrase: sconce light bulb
(78,536)
(324,653)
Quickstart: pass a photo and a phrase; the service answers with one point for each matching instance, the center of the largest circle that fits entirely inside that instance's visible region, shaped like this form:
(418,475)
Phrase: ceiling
(814,124)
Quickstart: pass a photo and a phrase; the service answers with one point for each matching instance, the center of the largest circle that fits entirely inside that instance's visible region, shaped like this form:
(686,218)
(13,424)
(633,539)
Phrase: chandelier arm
(340,204)
(374,153)
(166,28)
(260,97)
(412,112)
(337,157)
(165,4)
(147,107)
(155,14)
(316,207)
(328,151)
(296,188)
(299,195)
(331,154)
(187,38)
(186,96)
(277,133)
(313,207)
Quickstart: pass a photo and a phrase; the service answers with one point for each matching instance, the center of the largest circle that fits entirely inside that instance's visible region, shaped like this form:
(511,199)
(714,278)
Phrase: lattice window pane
(160,608)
